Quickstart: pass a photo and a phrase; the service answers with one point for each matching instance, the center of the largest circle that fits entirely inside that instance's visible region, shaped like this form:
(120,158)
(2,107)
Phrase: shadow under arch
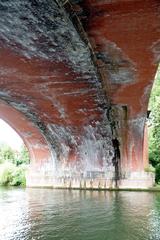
(38,148)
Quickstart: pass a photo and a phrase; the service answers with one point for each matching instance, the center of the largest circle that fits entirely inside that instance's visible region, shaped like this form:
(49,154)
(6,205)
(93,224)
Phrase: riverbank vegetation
(13,165)
(154,127)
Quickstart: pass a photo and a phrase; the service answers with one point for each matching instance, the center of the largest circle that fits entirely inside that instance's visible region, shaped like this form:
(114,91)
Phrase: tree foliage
(13,165)
(7,154)
(23,157)
(154,129)
(12,175)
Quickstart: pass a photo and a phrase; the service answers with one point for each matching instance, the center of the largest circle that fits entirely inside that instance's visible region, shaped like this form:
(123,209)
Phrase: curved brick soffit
(46,38)
(41,46)
(125,38)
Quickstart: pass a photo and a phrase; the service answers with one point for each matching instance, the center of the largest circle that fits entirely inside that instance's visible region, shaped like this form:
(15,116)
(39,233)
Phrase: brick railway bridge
(75,80)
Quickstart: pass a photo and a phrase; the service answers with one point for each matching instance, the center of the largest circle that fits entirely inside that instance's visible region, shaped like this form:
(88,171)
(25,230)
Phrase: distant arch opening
(14,156)
(39,150)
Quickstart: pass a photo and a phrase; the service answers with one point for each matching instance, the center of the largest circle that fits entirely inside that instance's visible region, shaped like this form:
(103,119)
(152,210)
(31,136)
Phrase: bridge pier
(132,165)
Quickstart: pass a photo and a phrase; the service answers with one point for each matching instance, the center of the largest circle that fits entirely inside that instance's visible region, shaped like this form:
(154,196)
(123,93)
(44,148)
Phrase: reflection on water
(34,214)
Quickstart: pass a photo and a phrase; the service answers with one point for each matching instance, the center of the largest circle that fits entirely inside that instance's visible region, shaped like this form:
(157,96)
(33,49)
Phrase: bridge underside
(75,80)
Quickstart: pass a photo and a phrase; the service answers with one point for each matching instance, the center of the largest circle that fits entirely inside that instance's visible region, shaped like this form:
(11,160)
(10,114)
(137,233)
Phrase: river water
(32,214)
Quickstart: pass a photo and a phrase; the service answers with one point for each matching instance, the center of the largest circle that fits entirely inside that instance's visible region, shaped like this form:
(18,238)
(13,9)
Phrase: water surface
(46,214)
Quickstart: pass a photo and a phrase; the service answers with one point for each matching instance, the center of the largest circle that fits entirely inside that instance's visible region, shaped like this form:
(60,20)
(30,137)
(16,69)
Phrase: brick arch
(39,150)
(67,81)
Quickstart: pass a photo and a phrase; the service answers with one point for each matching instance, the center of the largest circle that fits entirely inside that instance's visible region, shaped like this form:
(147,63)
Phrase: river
(47,214)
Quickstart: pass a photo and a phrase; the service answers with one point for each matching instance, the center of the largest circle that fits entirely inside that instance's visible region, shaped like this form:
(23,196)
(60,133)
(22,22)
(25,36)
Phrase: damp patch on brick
(118,67)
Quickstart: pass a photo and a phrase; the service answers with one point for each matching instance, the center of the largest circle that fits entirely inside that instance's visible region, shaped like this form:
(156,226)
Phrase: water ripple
(45,214)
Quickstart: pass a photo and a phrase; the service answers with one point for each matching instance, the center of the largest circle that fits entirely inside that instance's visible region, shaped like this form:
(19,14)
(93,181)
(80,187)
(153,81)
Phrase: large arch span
(80,73)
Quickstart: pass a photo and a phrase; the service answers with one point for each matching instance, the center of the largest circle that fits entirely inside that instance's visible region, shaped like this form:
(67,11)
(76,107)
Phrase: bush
(19,176)
(6,170)
(10,175)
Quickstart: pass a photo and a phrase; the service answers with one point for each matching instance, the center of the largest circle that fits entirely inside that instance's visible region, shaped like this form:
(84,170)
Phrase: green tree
(154,129)
(13,165)
(7,154)
(12,175)
(23,156)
